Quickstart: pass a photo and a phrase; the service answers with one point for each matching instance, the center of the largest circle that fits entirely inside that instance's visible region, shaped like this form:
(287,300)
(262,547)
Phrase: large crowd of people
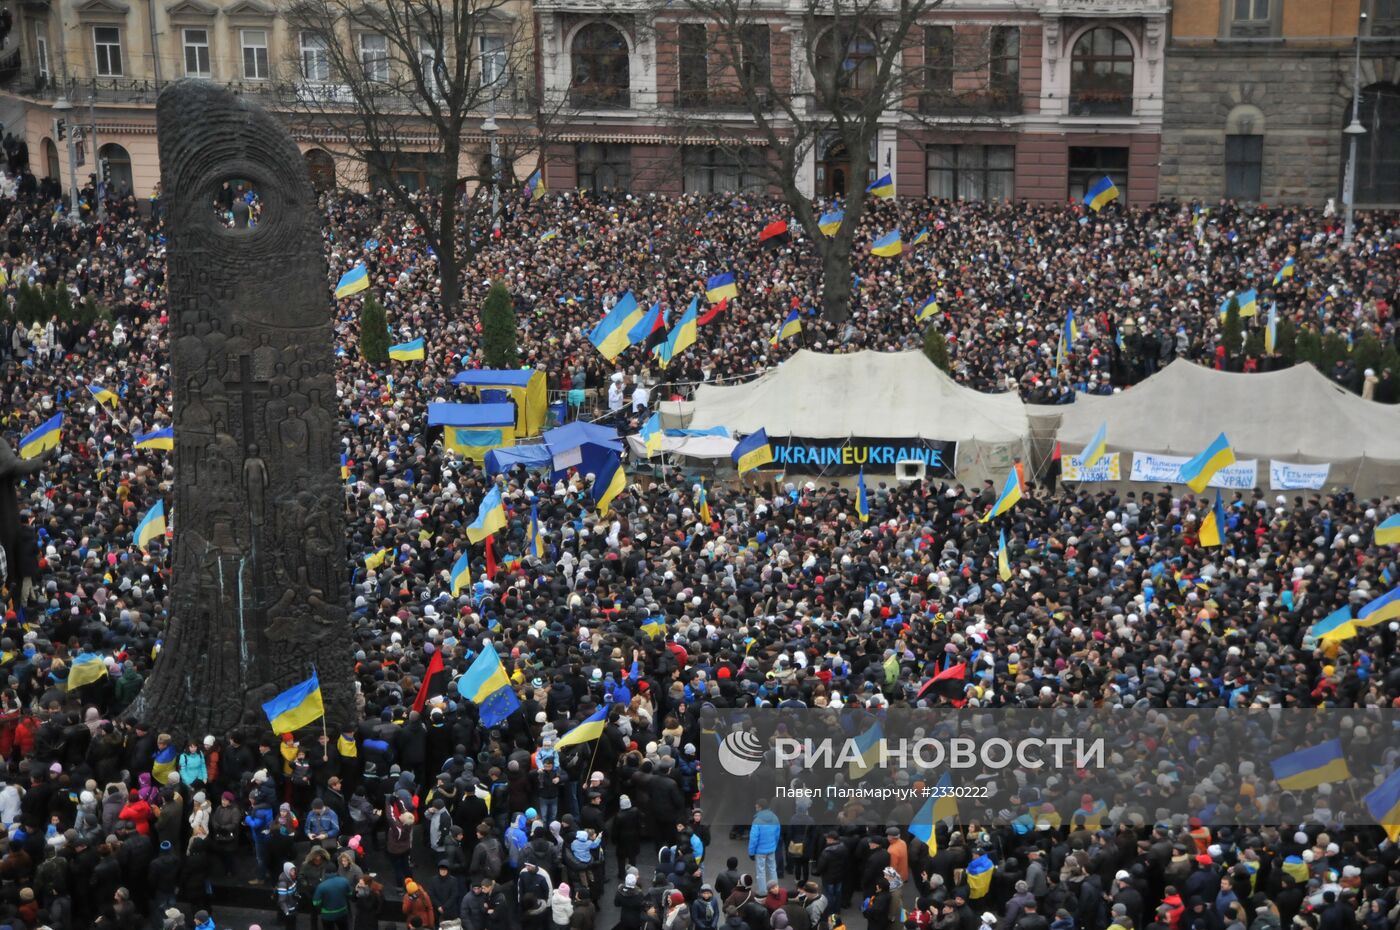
(782,596)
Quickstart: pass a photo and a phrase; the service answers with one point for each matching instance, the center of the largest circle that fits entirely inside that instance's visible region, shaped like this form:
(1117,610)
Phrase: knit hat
(624,803)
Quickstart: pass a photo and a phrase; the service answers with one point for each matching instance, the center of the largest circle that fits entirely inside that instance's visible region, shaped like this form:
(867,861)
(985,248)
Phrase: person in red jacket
(139,812)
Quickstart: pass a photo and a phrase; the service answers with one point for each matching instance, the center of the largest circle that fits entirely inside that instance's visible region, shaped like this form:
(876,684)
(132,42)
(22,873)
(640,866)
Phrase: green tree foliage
(936,348)
(498,347)
(374,332)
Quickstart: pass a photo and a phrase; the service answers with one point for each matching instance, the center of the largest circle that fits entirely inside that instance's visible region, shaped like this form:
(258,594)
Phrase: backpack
(494,863)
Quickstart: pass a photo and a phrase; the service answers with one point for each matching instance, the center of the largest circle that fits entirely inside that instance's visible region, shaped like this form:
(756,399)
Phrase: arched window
(116,168)
(1378,150)
(321,167)
(847,62)
(1101,74)
(601,71)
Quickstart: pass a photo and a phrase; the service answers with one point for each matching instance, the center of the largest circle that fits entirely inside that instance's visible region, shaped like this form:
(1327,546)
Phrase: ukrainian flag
(655,628)
(1271,330)
(1249,302)
(1386,607)
(414,351)
(1308,768)
(888,246)
(920,237)
(552,234)
(159,439)
(344,468)
(1335,627)
(152,526)
(927,310)
(461,574)
(868,744)
(791,326)
(1068,333)
(645,325)
(610,335)
(1388,531)
(721,287)
(1196,473)
(1101,194)
(1213,526)
(937,807)
(44,438)
(682,337)
(353,281)
(1285,272)
(102,395)
(702,504)
(752,452)
(585,732)
(979,877)
(1010,494)
(882,187)
(375,559)
(862,499)
(533,538)
(296,707)
(652,434)
(830,222)
(489,518)
(534,185)
(485,684)
(1003,559)
(86,668)
(1384,805)
(608,483)
(1296,868)
(1095,450)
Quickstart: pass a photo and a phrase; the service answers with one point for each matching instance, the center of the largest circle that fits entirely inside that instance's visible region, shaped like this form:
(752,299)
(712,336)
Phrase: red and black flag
(774,234)
(434,681)
(713,312)
(659,332)
(948,683)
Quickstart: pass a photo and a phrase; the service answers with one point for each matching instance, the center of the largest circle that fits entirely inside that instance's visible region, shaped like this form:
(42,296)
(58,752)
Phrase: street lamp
(1355,130)
(490,128)
(61,105)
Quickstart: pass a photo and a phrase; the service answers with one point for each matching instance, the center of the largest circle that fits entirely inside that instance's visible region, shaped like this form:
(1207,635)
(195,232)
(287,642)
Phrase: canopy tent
(691,447)
(897,397)
(472,430)
(580,445)
(1292,416)
(533,456)
(525,386)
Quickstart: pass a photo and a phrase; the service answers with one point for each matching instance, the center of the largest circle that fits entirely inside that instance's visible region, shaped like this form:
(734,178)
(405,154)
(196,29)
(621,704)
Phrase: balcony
(1100,103)
(599,97)
(1004,102)
(707,99)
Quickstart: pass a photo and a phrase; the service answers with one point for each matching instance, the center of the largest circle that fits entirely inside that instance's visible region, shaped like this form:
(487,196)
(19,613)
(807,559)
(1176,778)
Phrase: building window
(692,66)
(1088,165)
(107,43)
(720,171)
(604,167)
(1251,18)
(493,58)
(1385,17)
(757,55)
(41,56)
(1378,151)
(1244,164)
(196,52)
(315,58)
(1004,63)
(254,43)
(972,172)
(846,63)
(602,72)
(374,56)
(938,62)
(1101,74)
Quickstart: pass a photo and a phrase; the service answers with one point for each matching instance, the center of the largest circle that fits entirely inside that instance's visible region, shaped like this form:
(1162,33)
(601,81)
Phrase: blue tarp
(578,433)
(471,414)
(535,455)
(490,377)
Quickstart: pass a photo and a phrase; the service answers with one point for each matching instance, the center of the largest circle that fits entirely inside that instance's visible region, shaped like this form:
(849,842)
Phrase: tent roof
(868,394)
(471,414)
(504,459)
(1294,414)
(491,377)
(695,447)
(572,435)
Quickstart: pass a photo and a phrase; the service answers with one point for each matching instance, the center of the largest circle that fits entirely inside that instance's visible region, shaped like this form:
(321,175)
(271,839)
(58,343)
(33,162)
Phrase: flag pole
(317,676)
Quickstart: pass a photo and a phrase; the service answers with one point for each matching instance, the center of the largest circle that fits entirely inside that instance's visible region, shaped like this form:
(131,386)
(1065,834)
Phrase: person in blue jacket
(765,834)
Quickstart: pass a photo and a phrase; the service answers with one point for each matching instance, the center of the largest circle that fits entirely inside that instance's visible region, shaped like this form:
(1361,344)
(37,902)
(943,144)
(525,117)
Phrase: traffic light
(60,129)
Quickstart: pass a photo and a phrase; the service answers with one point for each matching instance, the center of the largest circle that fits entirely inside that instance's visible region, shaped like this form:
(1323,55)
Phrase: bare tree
(860,66)
(406,85)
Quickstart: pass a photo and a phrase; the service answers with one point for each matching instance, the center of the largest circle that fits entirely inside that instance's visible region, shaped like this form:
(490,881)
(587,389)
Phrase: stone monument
(259,588)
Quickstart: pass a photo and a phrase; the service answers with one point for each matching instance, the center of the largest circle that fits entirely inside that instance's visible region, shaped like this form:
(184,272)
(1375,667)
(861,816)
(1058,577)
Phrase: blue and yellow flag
(1010,495)
(461,574)
(1384,805)
(534,539)
(1213,526)
(702,504)
(587,731)
(1337,626)
(868,745)
(610,336)
(1097,447)
(862,499)
(979,877)
(1101,194)
(652,434)
(86,668)
(721,287)
(158,439)
(942,805)
(1285,272)
(610,481)
(655,628)
(152,526)
(682,337)
(1197,472)
(648,324)
(102,395)
(1003,558)
(1271,330)
(487,686)
(1386,607)
(296,707)
(1388,531)
(376,559)
(882,187)
(490,517)
(1307,768)
(552,234)
(1068,333)
(353,281)
(344,468)
(1249,303)
(927,310)
(791,326)
(45,437)
(414,351)
(830,222)
(753,451)
(920,237)
(534,185)
(887,246)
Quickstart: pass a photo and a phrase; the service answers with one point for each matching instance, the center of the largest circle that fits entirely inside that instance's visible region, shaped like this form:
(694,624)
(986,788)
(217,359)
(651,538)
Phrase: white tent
(872,395)
(1294,416)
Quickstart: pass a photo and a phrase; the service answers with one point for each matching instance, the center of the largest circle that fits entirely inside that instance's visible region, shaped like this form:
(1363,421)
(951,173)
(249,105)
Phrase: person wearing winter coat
(561,907)
(705,910)
(368,899)
(192,766)
(288,896)
(224,823)
(445,891)
(200,812)
(417,905)
(630,902)
(626,834)
(765,833)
